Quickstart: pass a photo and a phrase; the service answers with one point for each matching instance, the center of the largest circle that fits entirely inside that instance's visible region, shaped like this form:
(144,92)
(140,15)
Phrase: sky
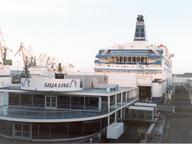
(73,31)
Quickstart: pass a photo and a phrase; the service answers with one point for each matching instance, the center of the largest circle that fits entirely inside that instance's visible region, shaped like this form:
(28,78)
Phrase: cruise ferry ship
(138,64)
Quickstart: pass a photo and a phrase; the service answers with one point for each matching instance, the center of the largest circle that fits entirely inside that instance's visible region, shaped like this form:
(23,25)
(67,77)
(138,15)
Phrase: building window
(77,102)
(26,100)
(119,98)
(22,131)
(124,96)
(14,99)
(112,118)
(63,102)
(91,103)
(50,102)
(112,100)
(6,128)
(38,100)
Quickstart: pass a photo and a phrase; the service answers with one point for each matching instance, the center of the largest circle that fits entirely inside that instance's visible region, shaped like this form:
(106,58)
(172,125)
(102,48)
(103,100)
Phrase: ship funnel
(140,29)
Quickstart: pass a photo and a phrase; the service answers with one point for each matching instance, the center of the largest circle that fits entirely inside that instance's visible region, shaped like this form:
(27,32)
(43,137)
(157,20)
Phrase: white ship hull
(138,64)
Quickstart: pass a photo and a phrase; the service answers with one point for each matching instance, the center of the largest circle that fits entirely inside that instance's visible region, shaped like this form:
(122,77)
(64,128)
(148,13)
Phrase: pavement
(178,126)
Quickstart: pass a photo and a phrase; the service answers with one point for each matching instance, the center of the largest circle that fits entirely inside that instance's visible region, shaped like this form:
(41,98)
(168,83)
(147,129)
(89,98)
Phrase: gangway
(141,113)
(166,108)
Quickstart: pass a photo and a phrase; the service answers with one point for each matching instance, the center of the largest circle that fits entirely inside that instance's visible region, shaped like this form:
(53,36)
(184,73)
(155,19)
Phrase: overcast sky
(74,30)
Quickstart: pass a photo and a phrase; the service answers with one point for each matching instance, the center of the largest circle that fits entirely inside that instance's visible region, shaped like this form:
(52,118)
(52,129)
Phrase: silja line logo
(26,82)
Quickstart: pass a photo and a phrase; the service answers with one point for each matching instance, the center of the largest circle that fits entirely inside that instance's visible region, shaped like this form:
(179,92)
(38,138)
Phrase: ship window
(134,59)
(142,59)
(142,35)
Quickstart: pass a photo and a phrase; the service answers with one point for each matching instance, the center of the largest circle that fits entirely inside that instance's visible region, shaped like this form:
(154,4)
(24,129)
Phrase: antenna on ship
(140,34)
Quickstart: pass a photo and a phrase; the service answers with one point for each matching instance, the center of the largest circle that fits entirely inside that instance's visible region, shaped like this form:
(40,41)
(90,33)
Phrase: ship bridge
(130,56)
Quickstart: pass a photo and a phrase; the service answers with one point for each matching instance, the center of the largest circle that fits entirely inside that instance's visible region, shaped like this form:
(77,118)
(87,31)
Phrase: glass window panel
(118,98)
(13,99)
(53,104)
(44,131)
(48,104)
(112,100)
(91,103)
(75,129)
(53,99)
(6,128)
(48,99)
(26,128)
(59,130)
(63,101)
(77,102)
(26,100)
(18,133)
(26,134)
(38,100)
(18,127)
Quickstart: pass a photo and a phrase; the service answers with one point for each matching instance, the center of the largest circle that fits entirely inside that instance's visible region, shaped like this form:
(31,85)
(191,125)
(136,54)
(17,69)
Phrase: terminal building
(68,107)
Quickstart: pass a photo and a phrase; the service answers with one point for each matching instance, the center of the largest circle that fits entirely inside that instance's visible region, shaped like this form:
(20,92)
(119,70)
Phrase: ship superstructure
(138,64)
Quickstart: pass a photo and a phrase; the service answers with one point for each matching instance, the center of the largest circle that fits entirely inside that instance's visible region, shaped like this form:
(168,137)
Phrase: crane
(28,59)
(3,50)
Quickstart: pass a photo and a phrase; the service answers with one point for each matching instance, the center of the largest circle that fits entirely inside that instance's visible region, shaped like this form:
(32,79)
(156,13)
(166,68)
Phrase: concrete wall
(122,79)
(157,89)
(5,81)
(88,81)
(3,98)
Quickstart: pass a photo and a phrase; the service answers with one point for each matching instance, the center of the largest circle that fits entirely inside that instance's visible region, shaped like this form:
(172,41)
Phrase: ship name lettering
(72,83)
